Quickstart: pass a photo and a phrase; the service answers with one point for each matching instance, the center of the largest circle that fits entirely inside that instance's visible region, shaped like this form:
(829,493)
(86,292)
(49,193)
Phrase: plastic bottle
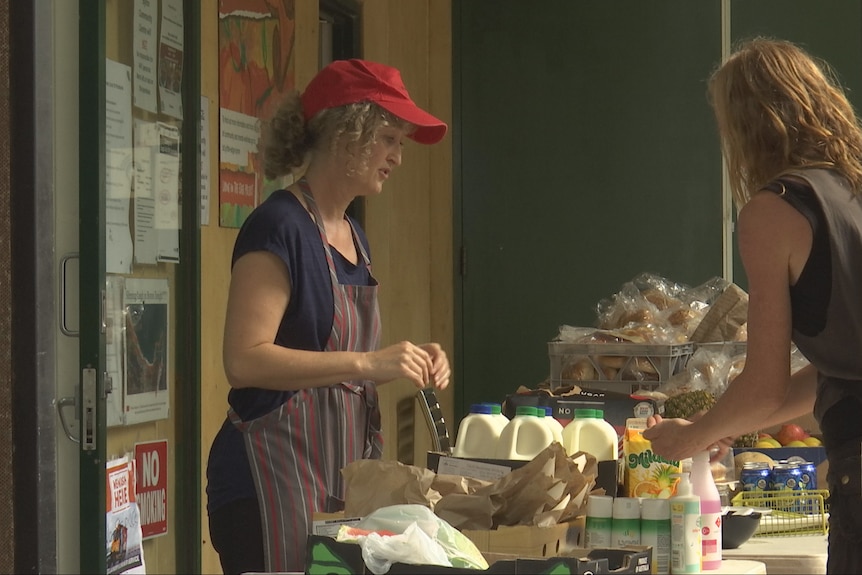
(655,531)
(589,432)
(686,547)
(555,426)
(524,437)
(497,412)
(478,433)
(703,485)
(626,525)
(599,525)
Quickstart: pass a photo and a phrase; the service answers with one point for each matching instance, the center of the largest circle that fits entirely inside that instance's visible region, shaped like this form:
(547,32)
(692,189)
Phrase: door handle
(64,264)
(62,404)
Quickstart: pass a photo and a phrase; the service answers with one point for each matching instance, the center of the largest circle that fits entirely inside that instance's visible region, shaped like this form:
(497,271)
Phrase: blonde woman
(793,147)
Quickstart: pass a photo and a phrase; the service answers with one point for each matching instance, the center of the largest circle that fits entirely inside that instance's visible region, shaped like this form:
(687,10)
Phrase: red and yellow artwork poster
(256,67)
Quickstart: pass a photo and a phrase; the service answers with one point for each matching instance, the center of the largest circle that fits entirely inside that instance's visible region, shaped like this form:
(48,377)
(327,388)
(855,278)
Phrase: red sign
(151,460)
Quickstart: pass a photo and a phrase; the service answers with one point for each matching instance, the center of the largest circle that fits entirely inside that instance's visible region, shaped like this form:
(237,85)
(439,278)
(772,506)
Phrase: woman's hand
(671,438)
(423,364)
(440,370)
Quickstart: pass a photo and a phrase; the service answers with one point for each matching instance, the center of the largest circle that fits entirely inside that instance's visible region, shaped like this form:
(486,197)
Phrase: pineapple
(746,439)
(688,403)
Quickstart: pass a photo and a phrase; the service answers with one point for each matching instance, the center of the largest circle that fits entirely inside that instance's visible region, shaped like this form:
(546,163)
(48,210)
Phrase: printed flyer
(123,550)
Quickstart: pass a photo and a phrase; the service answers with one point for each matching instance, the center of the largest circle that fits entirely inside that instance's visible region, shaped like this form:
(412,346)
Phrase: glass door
(139,176)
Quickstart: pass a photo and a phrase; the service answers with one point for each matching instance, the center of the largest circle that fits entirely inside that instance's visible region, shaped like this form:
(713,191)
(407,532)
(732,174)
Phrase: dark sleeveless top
(827,328)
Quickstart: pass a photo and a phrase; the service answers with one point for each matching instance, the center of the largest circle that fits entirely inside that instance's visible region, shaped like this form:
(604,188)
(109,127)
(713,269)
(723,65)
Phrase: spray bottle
(685,537)
(703,485)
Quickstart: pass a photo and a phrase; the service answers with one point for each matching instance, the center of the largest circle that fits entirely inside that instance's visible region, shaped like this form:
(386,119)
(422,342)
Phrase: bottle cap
(683,488)
(525,410)
(600,413)
(655,509)
(600,506)
(584,413)
(496,408)
(627,508)
(480,408)
(549,411)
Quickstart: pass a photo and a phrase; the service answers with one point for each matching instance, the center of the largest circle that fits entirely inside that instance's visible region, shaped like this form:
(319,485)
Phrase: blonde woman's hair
(779,109)
(287,139)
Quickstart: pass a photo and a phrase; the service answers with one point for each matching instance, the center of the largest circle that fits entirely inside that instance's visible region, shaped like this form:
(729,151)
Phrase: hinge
(463,261)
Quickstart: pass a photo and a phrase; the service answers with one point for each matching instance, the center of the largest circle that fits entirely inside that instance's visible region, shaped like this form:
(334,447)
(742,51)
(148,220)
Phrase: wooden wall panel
(409,225)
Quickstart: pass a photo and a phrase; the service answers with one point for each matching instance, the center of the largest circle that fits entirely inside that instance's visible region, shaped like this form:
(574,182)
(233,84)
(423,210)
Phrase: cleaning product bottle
(478,433)
(555,426)
(524,437)
(703,485)
(655,532)
(600,509)
(686,546)
(589,432)
(626,525)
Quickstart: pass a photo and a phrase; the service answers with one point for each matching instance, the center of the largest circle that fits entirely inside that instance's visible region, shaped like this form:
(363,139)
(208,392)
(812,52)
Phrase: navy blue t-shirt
(282,226)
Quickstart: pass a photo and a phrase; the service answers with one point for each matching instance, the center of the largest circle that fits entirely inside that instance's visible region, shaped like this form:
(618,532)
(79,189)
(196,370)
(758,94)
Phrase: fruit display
(688,403)
(789,435)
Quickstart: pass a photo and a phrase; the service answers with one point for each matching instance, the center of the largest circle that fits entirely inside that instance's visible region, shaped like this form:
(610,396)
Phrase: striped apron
(297,451)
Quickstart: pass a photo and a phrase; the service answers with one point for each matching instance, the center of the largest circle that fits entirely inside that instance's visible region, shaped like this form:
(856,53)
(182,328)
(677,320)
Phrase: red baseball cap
(351,81)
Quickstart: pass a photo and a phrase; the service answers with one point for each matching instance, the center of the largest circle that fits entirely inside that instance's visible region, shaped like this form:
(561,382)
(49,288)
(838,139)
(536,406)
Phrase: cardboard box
(325,556)
(529,540)
(617,406)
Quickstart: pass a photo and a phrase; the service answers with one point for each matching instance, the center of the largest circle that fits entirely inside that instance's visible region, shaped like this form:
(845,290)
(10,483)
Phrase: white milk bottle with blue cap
(589,432)
(497,411)
(525,436)
(555,426)
(478,433)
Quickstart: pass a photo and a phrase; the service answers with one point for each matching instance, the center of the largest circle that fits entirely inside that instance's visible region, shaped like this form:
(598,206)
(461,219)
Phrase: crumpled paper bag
(550,489)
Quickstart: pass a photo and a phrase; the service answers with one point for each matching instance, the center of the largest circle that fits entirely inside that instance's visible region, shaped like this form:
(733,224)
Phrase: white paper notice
(118,166)
(146,146)
(238,136)
(146,50)
(171,59)
(114,348)
(166,179)
(205,161)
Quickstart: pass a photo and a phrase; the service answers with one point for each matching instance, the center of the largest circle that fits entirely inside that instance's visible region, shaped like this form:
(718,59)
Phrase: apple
(812,441)
(790,432)
(796,443)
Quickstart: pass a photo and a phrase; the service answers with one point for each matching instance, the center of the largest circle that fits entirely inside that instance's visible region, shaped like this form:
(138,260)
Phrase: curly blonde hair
(777,109)
(287,139)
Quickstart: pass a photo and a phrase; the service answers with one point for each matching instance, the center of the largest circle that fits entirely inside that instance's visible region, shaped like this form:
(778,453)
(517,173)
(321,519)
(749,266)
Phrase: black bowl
(736,529)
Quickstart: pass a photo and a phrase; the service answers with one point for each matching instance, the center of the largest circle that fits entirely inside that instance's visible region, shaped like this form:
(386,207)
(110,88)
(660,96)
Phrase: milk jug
(555,426)
(478,433)
(525,436)
(589,432)
(497,411)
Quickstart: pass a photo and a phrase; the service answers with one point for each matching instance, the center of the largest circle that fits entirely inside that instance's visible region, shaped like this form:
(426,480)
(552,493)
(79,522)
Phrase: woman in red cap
(301,340)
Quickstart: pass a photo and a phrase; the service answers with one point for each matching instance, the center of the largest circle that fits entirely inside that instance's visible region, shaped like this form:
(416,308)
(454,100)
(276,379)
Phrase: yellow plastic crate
(788,513)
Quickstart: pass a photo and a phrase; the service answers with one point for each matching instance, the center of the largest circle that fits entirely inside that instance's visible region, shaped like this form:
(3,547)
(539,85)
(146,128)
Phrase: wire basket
(788,513)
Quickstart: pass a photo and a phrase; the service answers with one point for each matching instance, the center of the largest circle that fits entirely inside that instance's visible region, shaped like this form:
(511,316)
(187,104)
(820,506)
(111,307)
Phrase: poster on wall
(146,388)
(114,349)
(151,464)
(144,36)
(118,167)
(256,67)
(171,59)
(123,550)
